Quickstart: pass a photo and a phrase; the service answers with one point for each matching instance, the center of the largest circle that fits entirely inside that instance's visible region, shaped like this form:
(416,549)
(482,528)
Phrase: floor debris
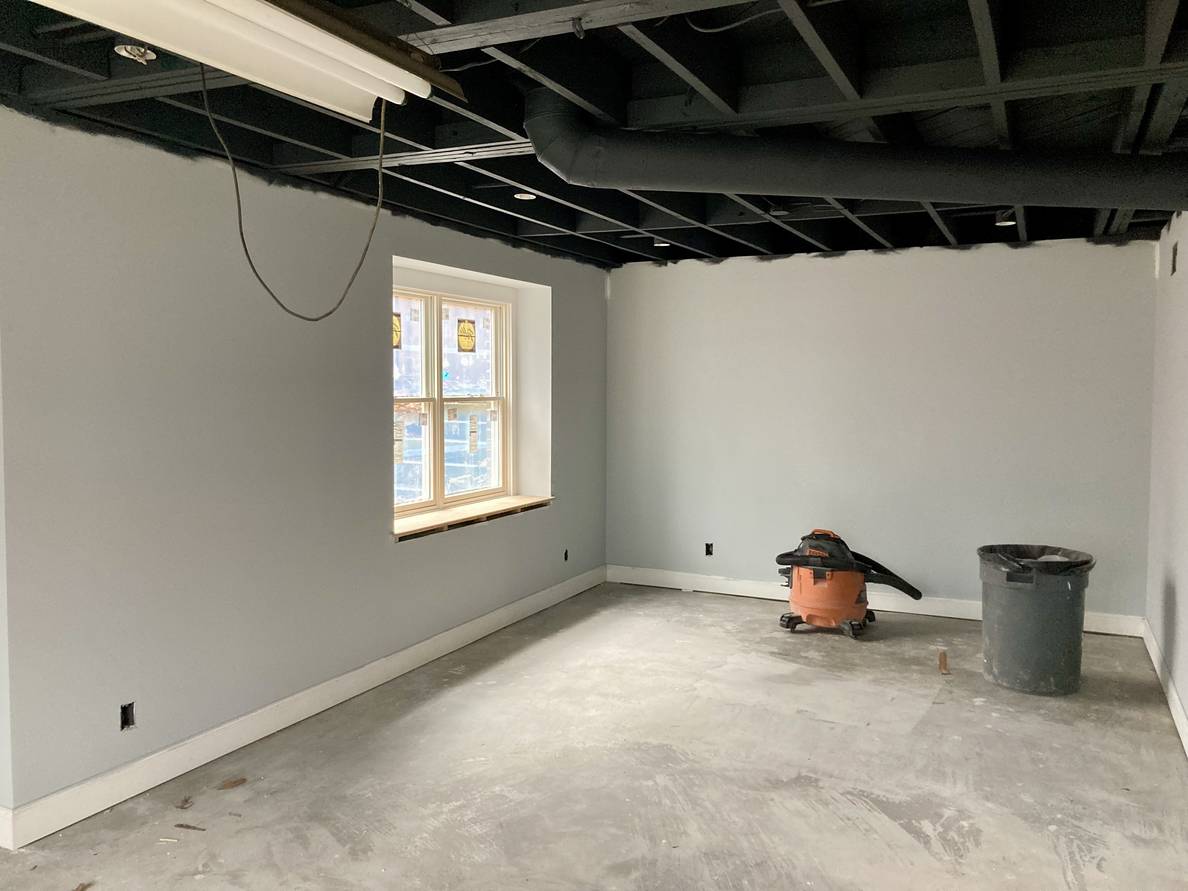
(83,886)
(166,840)
(188,826)
(232,784)
(185,804)
(942,661)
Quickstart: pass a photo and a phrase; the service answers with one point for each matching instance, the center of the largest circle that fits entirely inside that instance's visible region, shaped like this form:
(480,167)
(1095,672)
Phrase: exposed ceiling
(1097,76)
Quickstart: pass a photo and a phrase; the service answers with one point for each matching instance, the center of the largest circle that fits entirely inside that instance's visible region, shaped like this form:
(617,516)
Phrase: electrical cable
(718,29)
(470,65)
(379,201)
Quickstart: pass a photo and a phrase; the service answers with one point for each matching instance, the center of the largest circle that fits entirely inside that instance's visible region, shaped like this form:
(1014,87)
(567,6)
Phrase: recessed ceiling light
(1004,218)
(659,243)
(135,52)
(779,212)
(524,196)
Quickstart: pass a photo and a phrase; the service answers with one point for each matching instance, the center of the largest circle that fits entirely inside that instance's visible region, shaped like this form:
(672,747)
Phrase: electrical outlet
(567,555)
(709,549)
(127,716)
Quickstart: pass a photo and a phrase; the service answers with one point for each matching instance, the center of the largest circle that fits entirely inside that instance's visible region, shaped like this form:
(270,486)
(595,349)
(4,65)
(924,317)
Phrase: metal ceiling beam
(22,21)
(567,80)
(583,72)
(798,231)
(1159,18)
(1021,222)
(450,182)
(1098,65)
(427,204)
(987,22)
(860,223)
(253,143)
(148,83)
(828,31)
(691,210)
(181,127)
(940,223)
(696,60)
(487,151)
(693,57)
(492,102)
(443,179)
(270,116)
(482,24)
(829,34)
(612,206)
(1166,109)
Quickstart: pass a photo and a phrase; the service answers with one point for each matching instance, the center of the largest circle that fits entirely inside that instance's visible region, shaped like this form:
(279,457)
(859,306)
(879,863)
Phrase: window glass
(467,349)
(412,453)
(408,346)
(472,438)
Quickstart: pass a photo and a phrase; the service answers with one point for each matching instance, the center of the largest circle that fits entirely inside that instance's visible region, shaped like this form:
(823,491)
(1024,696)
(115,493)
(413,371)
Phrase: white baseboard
(882,599)
(39,818)
(1163,670)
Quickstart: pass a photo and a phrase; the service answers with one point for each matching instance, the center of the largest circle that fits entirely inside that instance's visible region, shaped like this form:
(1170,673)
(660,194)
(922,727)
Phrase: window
(449,400)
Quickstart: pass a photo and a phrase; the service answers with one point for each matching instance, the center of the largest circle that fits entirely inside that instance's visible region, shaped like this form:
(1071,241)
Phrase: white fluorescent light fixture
(263,43)
(1004,218)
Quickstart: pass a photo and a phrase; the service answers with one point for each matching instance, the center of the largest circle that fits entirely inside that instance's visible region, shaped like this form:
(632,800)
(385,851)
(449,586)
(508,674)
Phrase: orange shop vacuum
(828,584)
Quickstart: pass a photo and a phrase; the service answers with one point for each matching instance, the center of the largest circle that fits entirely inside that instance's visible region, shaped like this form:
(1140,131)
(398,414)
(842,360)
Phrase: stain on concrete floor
(638,738)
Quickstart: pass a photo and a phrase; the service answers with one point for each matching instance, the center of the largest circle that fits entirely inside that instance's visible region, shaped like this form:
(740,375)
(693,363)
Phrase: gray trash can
(1033,613)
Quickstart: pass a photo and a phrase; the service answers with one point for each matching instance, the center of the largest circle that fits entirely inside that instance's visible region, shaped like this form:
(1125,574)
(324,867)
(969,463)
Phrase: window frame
(436,402)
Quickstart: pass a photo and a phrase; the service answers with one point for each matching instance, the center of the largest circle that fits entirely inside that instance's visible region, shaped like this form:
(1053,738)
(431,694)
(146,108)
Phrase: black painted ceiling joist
(964,73)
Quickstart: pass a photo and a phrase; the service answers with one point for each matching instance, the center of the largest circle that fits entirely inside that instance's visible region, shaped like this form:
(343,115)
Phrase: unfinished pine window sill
(430,522)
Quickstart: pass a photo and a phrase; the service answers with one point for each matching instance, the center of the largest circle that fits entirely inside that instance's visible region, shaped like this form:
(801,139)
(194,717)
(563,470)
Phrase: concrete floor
(642,738)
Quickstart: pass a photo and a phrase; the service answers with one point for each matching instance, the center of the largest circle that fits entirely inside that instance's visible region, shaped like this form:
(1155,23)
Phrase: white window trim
(436,401)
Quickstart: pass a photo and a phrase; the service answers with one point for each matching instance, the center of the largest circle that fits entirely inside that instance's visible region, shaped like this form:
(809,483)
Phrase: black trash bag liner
(1044,559)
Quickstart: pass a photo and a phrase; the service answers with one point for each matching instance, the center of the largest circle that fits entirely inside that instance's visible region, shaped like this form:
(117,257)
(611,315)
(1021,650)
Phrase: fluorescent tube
(205,32)
(310,36)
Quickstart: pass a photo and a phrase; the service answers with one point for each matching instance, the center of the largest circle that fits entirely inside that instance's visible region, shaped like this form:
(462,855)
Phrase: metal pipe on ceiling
(669,161)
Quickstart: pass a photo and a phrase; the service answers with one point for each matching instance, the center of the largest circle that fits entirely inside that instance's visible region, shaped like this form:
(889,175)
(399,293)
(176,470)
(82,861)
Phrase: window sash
(430,443)
(437,403)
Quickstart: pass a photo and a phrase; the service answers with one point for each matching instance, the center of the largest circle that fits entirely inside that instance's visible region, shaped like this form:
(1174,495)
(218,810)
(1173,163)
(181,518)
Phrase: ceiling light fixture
(524,196)
(659,243)
(332,64)
(140,54)
(1004,218)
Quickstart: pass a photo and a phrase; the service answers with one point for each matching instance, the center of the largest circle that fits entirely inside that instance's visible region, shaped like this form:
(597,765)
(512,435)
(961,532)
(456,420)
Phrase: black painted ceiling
(1093,76)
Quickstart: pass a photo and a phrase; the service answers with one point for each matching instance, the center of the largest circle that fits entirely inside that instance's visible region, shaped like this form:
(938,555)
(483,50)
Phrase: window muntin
(450,401)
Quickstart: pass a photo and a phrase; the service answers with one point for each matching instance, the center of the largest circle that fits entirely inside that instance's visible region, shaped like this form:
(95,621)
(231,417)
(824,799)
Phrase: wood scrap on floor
(231,784)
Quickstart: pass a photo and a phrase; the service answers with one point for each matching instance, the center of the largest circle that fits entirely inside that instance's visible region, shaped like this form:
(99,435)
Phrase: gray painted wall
(1167,580)
(5,723)
(198,487)
(921,403)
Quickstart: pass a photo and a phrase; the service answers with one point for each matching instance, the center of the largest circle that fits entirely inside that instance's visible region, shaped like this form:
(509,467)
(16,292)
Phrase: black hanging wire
(379,201)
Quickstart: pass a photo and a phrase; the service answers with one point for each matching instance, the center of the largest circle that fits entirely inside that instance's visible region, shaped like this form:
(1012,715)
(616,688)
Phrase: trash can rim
(1024,557)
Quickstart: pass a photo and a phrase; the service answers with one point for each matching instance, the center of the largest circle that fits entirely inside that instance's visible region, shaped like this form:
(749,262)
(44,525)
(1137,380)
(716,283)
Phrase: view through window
(449,400)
